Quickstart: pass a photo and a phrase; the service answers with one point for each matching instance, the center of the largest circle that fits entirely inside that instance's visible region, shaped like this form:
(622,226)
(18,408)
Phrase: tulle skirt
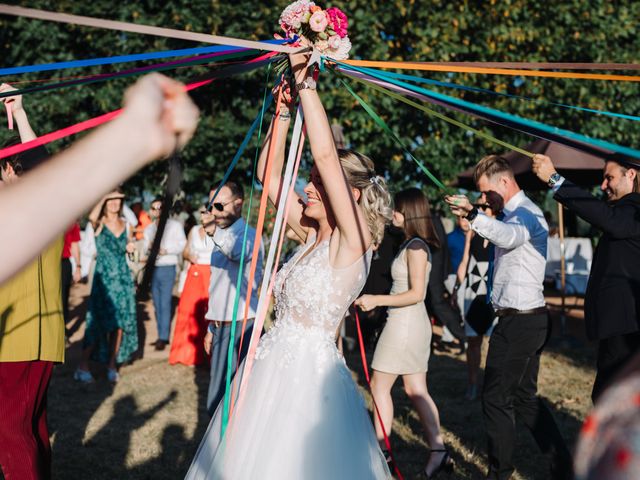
(301,418)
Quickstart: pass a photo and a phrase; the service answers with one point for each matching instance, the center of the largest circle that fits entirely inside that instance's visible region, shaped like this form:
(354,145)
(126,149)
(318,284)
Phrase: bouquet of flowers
(326,30)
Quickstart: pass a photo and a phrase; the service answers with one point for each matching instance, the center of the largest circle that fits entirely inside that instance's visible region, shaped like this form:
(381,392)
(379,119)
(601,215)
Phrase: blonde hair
(375,199)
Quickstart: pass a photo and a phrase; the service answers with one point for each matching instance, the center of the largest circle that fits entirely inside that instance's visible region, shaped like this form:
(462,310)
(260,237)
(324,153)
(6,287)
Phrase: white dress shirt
(225,266)
(173,242)
(520,241)
(199,247)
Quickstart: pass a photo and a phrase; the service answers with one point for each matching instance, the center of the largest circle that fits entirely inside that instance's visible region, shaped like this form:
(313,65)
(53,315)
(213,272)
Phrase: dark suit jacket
(612,303)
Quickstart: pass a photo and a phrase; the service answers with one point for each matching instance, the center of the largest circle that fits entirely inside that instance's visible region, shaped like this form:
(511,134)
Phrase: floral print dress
(112,304)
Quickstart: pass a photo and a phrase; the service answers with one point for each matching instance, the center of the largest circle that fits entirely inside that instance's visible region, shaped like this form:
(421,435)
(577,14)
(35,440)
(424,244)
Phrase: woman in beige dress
(404,346)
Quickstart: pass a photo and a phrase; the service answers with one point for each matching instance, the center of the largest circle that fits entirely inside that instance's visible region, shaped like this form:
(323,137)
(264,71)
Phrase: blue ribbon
(532,127)
(242,148)
(121,59)
(413,78)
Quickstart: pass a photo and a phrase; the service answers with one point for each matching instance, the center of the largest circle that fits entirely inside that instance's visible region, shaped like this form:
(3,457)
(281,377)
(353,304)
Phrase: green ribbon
(450,120)
(236,301)
(382,124)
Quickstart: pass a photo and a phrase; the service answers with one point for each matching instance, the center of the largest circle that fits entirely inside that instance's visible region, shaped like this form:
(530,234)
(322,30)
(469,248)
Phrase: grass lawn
(150,424)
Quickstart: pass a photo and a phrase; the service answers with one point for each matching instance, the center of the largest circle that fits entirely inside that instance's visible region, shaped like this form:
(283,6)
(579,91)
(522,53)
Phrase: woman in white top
(191,326)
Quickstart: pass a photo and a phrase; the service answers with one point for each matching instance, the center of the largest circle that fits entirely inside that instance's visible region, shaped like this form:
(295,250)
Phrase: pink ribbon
(7,105)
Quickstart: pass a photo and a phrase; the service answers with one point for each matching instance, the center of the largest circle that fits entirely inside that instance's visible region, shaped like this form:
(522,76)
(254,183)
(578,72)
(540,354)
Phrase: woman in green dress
(111,330)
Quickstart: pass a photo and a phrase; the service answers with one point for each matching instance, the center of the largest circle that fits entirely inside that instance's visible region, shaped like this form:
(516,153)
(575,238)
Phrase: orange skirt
(191,327)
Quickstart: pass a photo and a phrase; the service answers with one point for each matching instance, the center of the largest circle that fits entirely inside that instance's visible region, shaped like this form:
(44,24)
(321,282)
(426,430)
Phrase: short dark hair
(636,181)
(492,165)
(235,187)
(157,199)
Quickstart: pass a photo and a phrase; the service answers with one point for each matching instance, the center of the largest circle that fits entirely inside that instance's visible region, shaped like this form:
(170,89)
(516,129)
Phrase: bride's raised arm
(294,217)
(355,237)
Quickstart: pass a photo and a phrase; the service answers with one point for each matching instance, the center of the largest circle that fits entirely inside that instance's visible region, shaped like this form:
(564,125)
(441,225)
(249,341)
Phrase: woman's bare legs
(381,384)
(416,387)
(116,340)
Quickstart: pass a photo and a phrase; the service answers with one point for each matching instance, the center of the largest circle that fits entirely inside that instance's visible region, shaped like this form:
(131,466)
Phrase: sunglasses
(482,206)
(217,205)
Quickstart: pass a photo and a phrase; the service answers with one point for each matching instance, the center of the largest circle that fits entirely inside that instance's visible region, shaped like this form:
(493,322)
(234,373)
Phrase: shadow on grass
(447,378)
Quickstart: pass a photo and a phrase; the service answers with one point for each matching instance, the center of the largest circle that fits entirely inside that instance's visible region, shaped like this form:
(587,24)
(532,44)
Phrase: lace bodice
(311,293)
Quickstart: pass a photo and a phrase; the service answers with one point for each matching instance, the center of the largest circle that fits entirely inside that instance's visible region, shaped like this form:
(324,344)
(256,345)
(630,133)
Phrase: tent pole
(563,285)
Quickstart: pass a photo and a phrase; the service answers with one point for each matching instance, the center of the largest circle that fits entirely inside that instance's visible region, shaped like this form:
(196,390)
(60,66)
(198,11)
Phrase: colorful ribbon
(142,29)
(137,57)
(491,71)
(381,123)
(413,78)
(96,121)
(230,54)
(532,127)
(226,409)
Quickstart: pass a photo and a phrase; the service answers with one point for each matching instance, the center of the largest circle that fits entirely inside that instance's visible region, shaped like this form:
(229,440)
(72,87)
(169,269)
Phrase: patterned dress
(112,304)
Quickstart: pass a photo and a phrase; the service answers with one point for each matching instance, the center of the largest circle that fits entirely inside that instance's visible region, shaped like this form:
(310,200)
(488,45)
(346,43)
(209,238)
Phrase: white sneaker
(83,376)
(113,376)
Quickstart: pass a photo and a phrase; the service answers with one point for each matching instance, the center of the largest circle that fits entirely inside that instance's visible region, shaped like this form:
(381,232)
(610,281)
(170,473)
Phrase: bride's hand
(299,62)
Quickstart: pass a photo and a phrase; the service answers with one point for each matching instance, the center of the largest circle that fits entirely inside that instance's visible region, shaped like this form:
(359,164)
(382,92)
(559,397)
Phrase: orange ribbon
(491,71)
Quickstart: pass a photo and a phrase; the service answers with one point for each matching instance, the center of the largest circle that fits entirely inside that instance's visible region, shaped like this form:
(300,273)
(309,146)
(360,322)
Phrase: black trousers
(510,390)
(440,307)
(613,354)
(67,278)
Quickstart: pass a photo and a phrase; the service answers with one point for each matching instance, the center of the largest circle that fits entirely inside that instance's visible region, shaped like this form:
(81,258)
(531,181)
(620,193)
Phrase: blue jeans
(219,355)
(161,291)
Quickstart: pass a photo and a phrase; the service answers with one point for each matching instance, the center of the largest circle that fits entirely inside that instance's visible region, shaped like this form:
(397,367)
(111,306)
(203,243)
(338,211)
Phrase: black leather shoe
(160,345)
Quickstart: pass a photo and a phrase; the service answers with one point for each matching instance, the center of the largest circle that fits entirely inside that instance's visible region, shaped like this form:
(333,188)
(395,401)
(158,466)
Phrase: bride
(302,417)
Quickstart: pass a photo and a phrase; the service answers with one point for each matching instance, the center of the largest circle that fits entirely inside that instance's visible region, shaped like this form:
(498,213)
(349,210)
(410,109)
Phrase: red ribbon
(363,356)
(87,124)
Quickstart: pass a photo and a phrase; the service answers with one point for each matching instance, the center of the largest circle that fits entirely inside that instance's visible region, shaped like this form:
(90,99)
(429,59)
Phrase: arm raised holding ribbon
(158,117)
(346,197)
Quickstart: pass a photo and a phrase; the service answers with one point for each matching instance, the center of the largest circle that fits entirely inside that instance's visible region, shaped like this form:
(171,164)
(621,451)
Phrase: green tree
(510,30)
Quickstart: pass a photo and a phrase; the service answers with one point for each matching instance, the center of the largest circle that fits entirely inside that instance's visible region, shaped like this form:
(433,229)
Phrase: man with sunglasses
(164,274)
(513,360)
(223,222)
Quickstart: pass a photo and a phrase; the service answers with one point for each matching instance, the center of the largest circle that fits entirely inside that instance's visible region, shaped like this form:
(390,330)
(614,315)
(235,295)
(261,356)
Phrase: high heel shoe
(445,465)
(388,459)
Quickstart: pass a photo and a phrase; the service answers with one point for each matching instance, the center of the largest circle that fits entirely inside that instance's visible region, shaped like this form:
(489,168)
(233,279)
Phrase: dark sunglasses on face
(217,205)
(482,206)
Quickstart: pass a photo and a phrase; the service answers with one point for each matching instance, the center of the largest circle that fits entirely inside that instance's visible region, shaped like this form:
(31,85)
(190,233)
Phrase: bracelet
(285,114)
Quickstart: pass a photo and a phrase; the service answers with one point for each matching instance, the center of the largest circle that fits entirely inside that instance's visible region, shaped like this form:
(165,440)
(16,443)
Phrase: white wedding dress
(302,417)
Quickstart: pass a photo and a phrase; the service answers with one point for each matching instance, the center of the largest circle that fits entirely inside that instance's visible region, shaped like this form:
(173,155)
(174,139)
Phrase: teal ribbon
(528,126)
(413,78)
(382,124)
(236,301)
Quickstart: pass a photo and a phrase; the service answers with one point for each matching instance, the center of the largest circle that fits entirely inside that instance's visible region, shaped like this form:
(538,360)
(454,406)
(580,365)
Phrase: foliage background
(509,30)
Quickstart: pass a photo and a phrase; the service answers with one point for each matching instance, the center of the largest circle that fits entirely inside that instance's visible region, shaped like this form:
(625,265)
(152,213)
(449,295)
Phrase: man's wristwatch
(473,213)
(553,179)
(309,83)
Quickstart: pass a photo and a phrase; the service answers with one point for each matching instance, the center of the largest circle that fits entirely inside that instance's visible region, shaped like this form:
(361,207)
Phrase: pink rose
(318,22)
(294,14)
(338,21)
(334,42)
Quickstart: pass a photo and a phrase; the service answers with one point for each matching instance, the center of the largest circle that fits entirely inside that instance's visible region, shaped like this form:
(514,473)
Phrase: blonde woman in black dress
(404,346)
